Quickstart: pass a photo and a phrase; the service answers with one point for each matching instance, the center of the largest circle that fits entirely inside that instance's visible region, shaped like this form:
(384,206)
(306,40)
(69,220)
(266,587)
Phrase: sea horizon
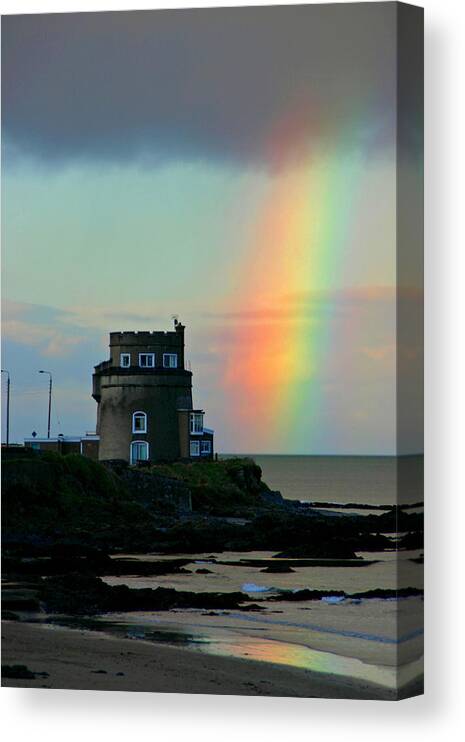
(362,479)
(228,454)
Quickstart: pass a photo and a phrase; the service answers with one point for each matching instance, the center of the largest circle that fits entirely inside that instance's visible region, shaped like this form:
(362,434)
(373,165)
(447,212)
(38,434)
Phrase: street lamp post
(49,400)
(7,405)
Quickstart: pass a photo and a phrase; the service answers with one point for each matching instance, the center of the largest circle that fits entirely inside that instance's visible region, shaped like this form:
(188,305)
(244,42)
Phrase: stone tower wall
(159,396)
(158,392)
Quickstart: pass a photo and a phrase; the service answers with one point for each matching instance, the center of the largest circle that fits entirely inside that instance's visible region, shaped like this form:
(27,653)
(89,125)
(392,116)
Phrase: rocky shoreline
(69,525)
(78,594)
(53,503)
(66,520)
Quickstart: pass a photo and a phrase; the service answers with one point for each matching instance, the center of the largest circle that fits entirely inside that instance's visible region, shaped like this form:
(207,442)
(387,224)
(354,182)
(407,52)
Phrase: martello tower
(144,400)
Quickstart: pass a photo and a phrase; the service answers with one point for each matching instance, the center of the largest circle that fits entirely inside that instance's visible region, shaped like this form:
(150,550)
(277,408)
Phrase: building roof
(63,438)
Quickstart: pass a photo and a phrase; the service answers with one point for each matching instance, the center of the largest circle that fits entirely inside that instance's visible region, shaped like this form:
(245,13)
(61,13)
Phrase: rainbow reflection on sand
(217,640)
(294,655)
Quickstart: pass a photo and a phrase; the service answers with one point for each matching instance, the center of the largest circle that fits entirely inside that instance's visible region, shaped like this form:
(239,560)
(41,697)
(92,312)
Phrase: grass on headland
(219,473)
(222,487)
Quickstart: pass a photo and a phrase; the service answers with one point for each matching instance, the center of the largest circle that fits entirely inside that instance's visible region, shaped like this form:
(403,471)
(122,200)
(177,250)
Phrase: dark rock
(272,497)
(278,569)
(381,594)
(98,564)
(204,571)
(307,594)
(19,672)
(312,562)
(332,549)
(411,541)
(152,489)
(81,594)
(122,567)
(403,592)
(395,520)
(372,542)
(20,604)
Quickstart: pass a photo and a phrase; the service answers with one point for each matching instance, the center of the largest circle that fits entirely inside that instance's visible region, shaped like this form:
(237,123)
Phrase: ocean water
(374,480)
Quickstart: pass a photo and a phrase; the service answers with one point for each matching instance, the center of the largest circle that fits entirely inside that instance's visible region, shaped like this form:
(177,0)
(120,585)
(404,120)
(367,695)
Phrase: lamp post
(49,400)
(7,405)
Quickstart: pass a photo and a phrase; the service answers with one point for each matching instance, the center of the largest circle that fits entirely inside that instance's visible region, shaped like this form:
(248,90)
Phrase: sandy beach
(84,660)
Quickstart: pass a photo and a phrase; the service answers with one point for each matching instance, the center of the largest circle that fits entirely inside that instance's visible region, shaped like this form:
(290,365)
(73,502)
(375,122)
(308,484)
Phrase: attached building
(87,445)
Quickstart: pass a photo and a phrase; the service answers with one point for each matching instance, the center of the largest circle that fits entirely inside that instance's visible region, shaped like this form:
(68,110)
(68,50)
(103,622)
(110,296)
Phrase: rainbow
(295,256)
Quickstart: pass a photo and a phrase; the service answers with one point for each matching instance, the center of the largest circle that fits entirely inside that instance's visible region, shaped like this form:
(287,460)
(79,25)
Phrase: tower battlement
(148,337)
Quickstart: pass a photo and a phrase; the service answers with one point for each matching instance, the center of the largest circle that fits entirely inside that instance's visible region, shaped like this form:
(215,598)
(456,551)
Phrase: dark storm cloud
(191,83)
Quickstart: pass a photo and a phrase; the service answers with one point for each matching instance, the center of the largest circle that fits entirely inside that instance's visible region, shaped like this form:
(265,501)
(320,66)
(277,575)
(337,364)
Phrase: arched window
(139,451)
(139,422)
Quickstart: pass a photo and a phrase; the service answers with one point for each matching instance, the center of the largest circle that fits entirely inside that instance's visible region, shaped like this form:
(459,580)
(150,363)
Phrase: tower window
(125,360)
(146,360)
(170,360)
(139,451)
(206,447)
(195,448)
(196,422)
(139,422)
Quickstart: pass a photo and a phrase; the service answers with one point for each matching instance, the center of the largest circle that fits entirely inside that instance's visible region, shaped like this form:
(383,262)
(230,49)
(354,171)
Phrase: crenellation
(143,335)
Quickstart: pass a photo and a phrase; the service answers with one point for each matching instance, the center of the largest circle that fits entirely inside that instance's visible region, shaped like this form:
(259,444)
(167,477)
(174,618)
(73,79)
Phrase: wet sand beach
(79,659)
(332,647)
